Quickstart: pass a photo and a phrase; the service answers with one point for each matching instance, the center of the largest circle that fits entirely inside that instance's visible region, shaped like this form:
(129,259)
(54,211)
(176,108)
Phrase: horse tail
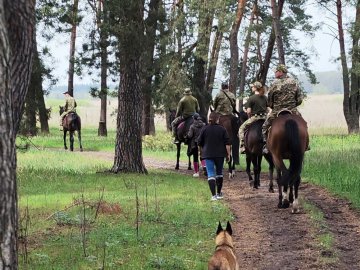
(297,155)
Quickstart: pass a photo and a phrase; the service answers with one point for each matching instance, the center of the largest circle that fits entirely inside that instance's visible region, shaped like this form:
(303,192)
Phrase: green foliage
(161,142)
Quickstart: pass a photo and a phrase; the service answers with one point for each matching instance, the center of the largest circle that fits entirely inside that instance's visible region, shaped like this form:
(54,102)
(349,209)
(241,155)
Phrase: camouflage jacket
(284,93)
(224,105)
(70,105)
(187,106)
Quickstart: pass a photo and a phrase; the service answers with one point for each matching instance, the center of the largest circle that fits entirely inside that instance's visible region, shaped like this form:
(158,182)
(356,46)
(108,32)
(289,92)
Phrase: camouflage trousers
(247,123)
(174,124)
(268,121)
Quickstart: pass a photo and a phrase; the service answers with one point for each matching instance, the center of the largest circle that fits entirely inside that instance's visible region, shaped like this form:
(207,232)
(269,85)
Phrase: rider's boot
(242,147)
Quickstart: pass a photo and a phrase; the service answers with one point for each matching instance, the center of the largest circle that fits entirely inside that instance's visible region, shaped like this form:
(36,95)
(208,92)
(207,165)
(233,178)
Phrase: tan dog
(224,257)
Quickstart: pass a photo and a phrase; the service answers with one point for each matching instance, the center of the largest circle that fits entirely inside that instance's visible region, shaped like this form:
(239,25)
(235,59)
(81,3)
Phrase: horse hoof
(177,167)
(251,182)
(279,205)
(285,204)
(271,190)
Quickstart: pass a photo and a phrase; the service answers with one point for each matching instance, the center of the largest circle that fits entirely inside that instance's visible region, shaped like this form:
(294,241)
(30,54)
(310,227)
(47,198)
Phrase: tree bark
(148,66)
(72,48)
(103,24)
(245,56)
(234,49)
(277,31)
(354,103)
(128,149)
(264,66)
(17,32)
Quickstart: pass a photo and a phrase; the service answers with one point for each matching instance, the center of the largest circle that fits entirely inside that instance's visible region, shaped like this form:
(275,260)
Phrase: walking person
(192,136)
(215,146)
(256,108)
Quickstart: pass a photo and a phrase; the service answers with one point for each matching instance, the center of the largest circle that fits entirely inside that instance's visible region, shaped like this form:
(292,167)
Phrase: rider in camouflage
(70,105)
(284,94)
(225,101)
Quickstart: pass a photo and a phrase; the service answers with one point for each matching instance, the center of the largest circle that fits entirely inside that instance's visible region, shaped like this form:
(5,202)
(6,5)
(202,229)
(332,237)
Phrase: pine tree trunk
(29,125)
(245,56)
(354,108)
(234,49)
(43,112)
(17,32)
(128,149)
(277,31)
(72,48)
(264,67)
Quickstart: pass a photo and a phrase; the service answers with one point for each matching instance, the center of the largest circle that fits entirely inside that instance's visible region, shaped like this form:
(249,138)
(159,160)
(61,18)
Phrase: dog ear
(228,228)
(219,229)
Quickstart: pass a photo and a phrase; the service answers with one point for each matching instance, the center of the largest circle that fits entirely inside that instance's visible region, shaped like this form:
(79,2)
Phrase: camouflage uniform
(224,105)
(284,94)
(258,105)
(187,106)
(70,105)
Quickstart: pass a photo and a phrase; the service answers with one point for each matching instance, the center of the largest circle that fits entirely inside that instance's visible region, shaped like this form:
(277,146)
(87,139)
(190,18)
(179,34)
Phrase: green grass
(324,237)
(177,221)
(333,162)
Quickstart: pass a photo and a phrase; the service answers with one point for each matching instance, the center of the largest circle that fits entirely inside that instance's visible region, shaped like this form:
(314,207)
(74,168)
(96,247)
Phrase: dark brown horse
(181,133)
(288,139)
(71,123)
(232,124)
(254,153)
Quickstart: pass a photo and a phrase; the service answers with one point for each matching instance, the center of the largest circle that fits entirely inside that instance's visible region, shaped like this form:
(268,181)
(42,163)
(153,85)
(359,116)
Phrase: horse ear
(228,228)
(219,229)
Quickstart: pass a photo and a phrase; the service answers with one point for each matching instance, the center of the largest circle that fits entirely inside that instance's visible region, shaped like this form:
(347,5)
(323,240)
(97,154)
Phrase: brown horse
(71,123)
(288,139)
(232,124)
(254,152)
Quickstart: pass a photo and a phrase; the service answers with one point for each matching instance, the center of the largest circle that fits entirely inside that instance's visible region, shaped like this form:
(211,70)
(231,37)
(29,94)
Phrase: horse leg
(286,192)
(65,146)
(295,206)
(230,167)
(259,159)
(268,158)
(278,177)
(71,140)
(255,169)
(248,169)
(178,148)
(79,137)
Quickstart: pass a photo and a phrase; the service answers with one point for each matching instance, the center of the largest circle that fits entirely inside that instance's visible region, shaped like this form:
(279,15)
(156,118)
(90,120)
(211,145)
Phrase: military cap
(66,93)
(281,67)
(187,91)
(256,84)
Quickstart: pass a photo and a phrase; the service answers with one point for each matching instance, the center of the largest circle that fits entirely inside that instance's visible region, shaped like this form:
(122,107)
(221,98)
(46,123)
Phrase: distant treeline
(330,82)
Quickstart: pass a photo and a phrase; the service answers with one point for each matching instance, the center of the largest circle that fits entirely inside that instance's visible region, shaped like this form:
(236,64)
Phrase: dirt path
(270,238)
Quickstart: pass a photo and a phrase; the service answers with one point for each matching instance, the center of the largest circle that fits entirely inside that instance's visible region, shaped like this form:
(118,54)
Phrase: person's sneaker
(196,175)
(265,150)
(219,196)
(242,150)
(214,198)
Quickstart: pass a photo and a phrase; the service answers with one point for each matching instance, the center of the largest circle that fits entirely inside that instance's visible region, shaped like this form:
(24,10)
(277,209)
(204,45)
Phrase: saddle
(183,128)
(71,116)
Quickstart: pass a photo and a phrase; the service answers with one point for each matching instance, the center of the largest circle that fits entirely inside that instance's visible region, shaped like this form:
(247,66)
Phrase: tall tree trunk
(206,16)
(72,47)
(29,125)
(128,149)
(148,65)
(245,56)
(234,49)
(264,66)
(17,32)
(43,112)
(277,30)
(103,25)
(349,117)
(354,107)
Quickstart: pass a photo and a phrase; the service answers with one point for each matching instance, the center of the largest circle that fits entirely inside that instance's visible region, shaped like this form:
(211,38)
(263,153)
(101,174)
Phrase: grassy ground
(161,220)
(73,217)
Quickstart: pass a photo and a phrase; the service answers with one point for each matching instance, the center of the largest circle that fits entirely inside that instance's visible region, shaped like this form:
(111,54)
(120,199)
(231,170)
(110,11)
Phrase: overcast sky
(325,45)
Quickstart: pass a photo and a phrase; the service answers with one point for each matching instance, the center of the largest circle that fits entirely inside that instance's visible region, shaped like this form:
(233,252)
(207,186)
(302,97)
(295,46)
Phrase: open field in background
(322,112)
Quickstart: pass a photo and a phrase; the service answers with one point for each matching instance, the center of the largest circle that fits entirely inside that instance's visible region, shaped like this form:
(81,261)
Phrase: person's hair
(261,90)
(213,118)
(224,85)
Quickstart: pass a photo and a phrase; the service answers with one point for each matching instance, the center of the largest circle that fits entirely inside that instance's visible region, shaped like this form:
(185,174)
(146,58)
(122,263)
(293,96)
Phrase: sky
(325,45)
